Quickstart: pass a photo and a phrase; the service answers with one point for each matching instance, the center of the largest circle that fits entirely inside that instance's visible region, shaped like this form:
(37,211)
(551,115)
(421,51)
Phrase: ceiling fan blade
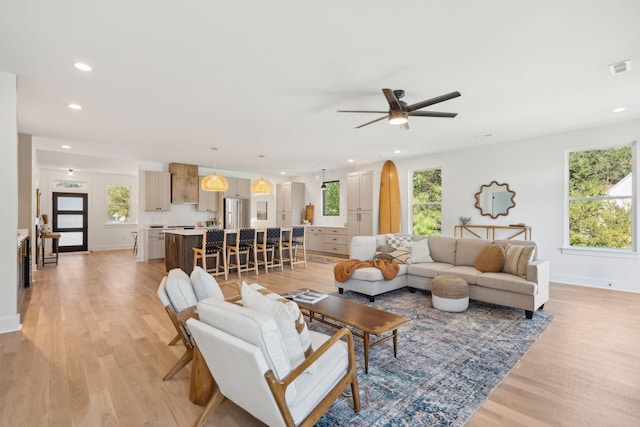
(436,100)
(394,104)
(432,114)
(362,111)
(372,121)
(404,126)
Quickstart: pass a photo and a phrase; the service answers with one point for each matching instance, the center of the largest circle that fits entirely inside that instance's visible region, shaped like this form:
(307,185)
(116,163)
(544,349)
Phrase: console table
(490,231)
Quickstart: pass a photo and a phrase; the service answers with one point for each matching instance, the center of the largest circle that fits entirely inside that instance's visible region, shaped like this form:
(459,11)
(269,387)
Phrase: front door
(70,221)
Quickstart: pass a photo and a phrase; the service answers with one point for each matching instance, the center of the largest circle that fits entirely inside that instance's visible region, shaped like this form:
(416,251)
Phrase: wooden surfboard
(389,199)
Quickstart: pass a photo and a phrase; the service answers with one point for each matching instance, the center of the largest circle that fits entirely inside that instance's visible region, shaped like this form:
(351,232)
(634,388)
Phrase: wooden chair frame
(269,245)
(211,241)
(279,387)
(297,241)
(243,246)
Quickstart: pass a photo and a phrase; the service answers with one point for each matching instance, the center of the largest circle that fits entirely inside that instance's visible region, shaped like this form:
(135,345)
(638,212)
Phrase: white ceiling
(172,79)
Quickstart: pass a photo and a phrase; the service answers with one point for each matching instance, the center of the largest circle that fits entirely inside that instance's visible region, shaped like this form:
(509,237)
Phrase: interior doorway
(70,221)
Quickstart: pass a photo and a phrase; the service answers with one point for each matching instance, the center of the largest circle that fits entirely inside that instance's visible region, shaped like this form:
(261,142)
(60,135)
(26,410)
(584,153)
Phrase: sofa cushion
(398,240)
(516,258)
(467,250)
(399,255)
(363,247)
(507,282)
(468,273)
(204,285)
(179,290)
(490,259)
(291,323)
(420,251)
(428,269)
(373,274)
(442,249)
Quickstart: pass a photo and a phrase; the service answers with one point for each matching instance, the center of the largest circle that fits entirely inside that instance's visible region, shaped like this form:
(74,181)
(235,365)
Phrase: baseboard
(591,282)
(10,324)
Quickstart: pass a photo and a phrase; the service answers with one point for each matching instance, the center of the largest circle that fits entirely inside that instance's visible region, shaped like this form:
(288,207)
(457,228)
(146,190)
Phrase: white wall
(9,317)
(101,236)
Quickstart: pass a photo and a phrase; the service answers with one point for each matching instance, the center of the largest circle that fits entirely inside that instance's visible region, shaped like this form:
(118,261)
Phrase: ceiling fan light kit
(399,111)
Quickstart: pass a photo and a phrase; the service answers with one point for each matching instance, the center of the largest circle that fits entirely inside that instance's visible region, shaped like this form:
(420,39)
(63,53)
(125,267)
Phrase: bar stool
(296,243)
(268,243)
(135,242)
(214,242)
(245,244)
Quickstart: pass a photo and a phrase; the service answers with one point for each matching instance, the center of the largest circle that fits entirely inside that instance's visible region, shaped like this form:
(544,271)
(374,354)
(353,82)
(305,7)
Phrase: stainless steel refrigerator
(237,213)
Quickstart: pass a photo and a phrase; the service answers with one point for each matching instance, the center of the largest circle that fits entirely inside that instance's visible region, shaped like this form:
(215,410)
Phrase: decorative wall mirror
(495,199)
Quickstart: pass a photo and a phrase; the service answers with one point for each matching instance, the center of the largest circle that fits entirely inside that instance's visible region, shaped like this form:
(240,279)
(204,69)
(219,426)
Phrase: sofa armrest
(538,272)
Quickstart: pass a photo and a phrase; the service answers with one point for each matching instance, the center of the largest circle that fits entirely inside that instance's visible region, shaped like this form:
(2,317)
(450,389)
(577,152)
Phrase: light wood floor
(93,351)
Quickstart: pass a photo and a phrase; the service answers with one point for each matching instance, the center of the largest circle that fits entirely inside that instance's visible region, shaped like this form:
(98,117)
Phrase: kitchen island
(178,248)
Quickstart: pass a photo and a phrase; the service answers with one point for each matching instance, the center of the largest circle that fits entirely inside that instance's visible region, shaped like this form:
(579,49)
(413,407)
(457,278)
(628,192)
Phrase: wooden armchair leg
(175,340)
(213,403)
(181,363)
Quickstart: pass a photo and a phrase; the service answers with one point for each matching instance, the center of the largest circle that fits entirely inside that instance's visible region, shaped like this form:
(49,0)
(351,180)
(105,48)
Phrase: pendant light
(323,187)
(262,186)
(214,182)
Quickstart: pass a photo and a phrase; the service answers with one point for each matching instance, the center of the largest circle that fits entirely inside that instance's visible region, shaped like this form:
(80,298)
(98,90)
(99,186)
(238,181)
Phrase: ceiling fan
(399,111)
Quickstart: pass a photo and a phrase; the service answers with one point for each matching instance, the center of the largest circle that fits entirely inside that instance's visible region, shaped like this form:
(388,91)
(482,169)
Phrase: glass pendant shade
(262,186)
(214,182)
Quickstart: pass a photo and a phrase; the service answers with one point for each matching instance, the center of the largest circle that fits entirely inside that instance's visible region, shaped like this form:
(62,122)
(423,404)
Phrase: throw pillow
(490,259)
(516,258)
(204,285)
(401,255)
(420,252)
(293,328)
(398,240)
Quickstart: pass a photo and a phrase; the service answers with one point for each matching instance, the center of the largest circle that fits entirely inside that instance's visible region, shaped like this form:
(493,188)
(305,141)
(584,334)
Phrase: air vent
(620,67)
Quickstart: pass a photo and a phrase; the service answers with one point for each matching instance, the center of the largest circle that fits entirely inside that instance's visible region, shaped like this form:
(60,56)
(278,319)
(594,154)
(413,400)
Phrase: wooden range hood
(184,183)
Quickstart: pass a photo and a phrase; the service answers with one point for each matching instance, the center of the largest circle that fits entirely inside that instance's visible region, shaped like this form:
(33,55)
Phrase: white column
(9,317)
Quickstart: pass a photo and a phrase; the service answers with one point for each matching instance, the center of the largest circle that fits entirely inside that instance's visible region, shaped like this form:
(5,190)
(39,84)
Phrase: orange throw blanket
(343,270)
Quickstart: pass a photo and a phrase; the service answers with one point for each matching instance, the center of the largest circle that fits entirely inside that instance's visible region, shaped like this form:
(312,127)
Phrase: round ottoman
(450,293)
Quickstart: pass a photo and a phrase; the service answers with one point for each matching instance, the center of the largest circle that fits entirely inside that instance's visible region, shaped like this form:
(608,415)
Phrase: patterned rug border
(448,364)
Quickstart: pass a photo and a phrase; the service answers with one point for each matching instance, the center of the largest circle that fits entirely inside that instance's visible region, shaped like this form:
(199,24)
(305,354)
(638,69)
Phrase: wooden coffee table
(361,319)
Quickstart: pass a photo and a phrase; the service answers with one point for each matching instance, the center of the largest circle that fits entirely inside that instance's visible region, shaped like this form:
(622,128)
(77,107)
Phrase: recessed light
(66,147)
(82,66)
(283,173)
(350,160)
(377,155)
(75,106)
(618,110)
(397,152)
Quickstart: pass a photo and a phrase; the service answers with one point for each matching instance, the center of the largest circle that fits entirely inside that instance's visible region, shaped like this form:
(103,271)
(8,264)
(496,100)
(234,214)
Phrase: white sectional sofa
(456,257)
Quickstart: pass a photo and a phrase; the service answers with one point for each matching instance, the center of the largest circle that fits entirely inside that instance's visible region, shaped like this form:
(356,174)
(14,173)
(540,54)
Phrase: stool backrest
(214,237)
(273,235)
(246,236)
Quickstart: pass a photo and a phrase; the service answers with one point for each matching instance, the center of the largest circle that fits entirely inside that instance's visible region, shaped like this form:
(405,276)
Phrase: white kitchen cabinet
(331,240)
(315,239)
(154,245)
(239,188)
(359,204)
(157,191)
(208,201)
(289,203)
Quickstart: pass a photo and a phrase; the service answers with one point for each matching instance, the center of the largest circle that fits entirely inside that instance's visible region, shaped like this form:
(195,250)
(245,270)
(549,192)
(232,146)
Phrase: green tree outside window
(601,198)
(331,199)
(426,214)
(118,204)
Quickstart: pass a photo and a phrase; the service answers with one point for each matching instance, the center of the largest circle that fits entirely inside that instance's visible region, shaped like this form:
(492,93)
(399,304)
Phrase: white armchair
(246,354)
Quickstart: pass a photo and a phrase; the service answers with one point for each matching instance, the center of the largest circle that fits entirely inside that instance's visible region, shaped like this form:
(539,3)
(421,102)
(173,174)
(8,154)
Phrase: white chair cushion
(180,290)
(293,327)
(204,285)
(253,327)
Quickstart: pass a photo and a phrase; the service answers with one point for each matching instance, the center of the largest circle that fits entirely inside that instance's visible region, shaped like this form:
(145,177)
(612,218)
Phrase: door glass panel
(71,239)
(70,221)
(70,203)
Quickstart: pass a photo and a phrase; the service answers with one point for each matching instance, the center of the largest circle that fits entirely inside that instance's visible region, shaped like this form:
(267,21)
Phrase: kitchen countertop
(23,233)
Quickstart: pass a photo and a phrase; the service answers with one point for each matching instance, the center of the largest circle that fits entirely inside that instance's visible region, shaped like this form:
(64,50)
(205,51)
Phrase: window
(118,206)
(601,198)
(69,185)
(426,215)
(331,199)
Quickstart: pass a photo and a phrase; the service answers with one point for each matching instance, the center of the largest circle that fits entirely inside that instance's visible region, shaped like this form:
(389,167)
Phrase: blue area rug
(448,364)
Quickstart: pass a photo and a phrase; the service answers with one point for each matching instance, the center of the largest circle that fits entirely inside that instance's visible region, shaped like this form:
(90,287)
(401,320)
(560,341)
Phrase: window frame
(411,203)
(324,195)
(628,253)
